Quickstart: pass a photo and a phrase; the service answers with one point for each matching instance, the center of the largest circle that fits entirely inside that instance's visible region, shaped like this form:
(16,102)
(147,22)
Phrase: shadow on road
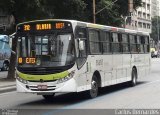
(73,98)
(118,87)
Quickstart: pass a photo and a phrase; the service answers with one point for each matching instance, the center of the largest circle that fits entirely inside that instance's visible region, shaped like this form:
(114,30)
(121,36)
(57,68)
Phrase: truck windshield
(46,51)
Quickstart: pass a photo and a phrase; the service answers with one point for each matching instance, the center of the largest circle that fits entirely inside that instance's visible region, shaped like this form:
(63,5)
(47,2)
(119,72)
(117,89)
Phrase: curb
(7,86)
(8,89)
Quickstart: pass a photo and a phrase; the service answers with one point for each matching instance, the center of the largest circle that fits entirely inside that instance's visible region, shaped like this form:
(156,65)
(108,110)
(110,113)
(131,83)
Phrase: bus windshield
(46,50)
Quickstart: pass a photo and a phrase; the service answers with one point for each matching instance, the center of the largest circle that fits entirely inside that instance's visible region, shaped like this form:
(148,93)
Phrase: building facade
(141,18)
(6,21)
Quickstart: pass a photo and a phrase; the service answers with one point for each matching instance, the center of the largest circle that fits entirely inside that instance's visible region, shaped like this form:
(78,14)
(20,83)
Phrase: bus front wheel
(93,92)
(48,97)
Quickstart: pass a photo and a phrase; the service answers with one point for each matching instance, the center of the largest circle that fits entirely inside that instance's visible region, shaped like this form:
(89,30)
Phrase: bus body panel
(69,86)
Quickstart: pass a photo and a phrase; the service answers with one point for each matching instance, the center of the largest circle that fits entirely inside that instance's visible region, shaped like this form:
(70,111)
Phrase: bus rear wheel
(49,97)
(93,92)
(5,66)
(133,82)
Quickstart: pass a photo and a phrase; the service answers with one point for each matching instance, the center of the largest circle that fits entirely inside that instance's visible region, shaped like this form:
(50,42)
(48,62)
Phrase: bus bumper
(68,86)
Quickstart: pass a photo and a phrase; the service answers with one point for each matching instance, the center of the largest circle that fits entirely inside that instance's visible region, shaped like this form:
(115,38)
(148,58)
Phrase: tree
(65,9)
(155,26)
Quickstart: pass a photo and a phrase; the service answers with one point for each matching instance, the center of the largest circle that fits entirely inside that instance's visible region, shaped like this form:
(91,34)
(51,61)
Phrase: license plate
(42,87)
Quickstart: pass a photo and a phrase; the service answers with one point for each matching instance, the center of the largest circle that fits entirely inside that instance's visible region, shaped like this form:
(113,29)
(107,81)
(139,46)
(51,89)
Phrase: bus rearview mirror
(81,45)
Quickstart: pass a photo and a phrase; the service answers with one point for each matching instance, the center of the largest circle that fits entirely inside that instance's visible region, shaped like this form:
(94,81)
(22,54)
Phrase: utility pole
(130,10)
(130,6)
(94,12)
(158,30)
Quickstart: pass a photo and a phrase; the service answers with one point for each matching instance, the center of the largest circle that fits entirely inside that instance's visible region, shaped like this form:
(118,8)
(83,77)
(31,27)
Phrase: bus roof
(92,25)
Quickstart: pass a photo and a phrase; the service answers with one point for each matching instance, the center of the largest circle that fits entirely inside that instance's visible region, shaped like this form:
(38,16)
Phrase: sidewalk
(7,85)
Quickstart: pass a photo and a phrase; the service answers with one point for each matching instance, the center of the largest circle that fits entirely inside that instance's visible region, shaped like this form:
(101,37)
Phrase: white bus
(5,52)
(72,56)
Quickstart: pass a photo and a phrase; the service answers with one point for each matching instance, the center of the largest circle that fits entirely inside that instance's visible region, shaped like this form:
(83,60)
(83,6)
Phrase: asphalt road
(146,95)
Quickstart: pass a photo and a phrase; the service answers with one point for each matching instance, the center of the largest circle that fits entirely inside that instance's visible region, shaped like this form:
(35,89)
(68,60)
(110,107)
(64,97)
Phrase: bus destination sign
(46,26)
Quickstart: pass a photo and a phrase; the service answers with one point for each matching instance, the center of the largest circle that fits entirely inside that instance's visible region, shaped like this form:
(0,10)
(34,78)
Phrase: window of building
(144,4)
(144,25)
(139,14)
(144,15)
(148,7)
(148,16)
(140,24)
(135,23)
(148,26)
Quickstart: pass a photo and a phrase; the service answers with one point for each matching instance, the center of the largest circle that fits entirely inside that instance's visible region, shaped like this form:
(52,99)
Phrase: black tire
(93,92)
(134,76)
(5,66)
(49,97)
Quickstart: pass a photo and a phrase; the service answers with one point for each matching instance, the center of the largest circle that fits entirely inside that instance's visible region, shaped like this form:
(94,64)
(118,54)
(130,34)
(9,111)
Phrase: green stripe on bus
(43,77)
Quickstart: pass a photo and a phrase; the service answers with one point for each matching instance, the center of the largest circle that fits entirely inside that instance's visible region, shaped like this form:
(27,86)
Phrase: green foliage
(65,9)
(25,10)
(155,26)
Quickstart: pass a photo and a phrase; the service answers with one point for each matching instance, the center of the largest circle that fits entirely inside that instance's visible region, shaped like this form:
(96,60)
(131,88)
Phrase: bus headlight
(21,80)
(70,75)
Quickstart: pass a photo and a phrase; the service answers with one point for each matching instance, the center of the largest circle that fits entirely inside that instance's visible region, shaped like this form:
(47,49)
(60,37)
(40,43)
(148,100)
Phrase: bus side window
(146,44)
(94,41)
(116,43)
(81,47)
(81,37)
(140,43)
(106,45)
(133,43)
(125,43)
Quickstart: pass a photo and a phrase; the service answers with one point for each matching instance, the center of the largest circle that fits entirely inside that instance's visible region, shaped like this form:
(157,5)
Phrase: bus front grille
(35,88)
